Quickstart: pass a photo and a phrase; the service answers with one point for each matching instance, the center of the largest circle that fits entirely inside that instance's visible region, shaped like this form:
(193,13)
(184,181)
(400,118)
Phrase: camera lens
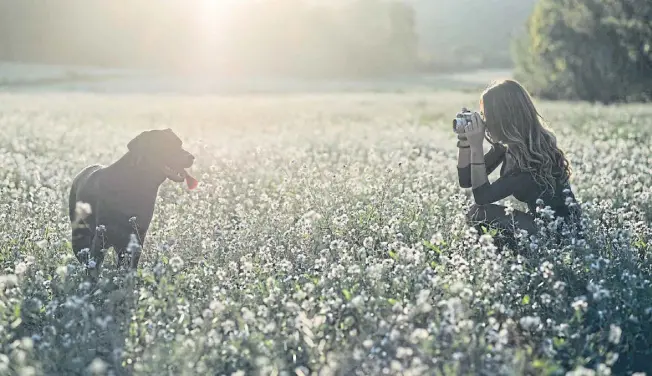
(457,124)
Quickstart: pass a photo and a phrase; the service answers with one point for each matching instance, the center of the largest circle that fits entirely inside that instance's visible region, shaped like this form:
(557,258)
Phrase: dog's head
(162,150)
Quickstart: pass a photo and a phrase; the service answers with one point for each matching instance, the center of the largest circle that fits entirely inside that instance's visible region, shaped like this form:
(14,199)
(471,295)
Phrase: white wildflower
(419,335)
(437,239)
(176,262)
(247,315)
(546,270)
(97,367)
(603,370)
(357,301)
(216,306)
(580,303)
(509,208)
(581,371)
(614,334)
(20,268)
(611,359)
(404,352)
(530,323)
(82,210)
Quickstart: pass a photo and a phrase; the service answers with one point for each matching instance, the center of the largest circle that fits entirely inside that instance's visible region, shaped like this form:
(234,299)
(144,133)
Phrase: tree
(592,50)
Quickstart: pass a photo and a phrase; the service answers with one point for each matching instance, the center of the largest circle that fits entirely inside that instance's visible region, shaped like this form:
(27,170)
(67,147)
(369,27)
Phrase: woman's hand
(475,131)
(462,142)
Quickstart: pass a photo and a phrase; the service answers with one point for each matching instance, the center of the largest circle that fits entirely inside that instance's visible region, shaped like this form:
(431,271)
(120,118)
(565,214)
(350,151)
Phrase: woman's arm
(463,153)
(505,186)
(492,159)
(478,166)
(484,192)
(463,162)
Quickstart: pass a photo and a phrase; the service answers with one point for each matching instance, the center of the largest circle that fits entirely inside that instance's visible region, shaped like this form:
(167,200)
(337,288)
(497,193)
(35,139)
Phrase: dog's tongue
(190,181)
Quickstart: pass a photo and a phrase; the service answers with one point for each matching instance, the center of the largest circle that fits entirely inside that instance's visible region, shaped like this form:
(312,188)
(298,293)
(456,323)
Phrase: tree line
(294,37)
(595,50)
(592,50)
(298,37)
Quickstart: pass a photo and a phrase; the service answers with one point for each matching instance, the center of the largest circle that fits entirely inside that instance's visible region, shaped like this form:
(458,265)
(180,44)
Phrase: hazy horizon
(285,37)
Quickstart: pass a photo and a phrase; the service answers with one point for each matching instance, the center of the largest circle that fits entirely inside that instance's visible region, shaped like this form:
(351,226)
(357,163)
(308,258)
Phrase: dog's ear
(170,133)
(172,140)
(138,144)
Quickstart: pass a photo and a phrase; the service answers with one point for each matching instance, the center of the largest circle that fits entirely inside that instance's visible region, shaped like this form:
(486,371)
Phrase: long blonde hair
(512,119)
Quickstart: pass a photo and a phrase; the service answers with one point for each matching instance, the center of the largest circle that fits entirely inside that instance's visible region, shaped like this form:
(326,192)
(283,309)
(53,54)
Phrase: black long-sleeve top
(514,182)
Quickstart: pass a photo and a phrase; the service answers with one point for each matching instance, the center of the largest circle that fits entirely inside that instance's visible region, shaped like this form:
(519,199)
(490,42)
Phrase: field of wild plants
(326,237)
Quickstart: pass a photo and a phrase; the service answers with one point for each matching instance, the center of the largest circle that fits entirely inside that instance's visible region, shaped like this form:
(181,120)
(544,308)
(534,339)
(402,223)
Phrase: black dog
(122,196)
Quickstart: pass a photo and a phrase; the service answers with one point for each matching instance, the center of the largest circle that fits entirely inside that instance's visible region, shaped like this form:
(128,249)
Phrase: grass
(326,237)
(41,78)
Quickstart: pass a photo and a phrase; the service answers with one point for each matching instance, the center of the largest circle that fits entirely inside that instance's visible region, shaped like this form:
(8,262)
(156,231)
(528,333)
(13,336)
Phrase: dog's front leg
(134,249)
(132,256)
(124,257)
(135,257)
(97,252)
(136,240)
(129,251)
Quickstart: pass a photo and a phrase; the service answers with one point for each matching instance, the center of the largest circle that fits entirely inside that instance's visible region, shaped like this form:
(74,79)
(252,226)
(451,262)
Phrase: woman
(533,166)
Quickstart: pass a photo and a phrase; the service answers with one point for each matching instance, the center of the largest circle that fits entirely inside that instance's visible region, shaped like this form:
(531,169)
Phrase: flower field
(326,237)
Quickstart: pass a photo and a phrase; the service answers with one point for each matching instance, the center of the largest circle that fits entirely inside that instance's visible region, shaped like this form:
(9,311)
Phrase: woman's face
(483,116)
(482,110)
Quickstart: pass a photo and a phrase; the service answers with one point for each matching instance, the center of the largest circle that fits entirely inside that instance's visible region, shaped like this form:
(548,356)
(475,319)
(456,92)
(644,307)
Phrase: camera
(461,120)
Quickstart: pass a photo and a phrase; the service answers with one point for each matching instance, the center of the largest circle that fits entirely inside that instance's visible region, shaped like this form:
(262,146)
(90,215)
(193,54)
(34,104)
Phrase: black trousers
(493,217)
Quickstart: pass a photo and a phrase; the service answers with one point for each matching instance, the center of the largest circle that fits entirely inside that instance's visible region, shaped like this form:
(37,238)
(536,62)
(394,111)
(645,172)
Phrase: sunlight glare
(214,18)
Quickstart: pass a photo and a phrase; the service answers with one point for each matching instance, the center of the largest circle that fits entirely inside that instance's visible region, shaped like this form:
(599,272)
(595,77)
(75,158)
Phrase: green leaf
(432,247)
(347,294)
(525,300)
(149,278)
